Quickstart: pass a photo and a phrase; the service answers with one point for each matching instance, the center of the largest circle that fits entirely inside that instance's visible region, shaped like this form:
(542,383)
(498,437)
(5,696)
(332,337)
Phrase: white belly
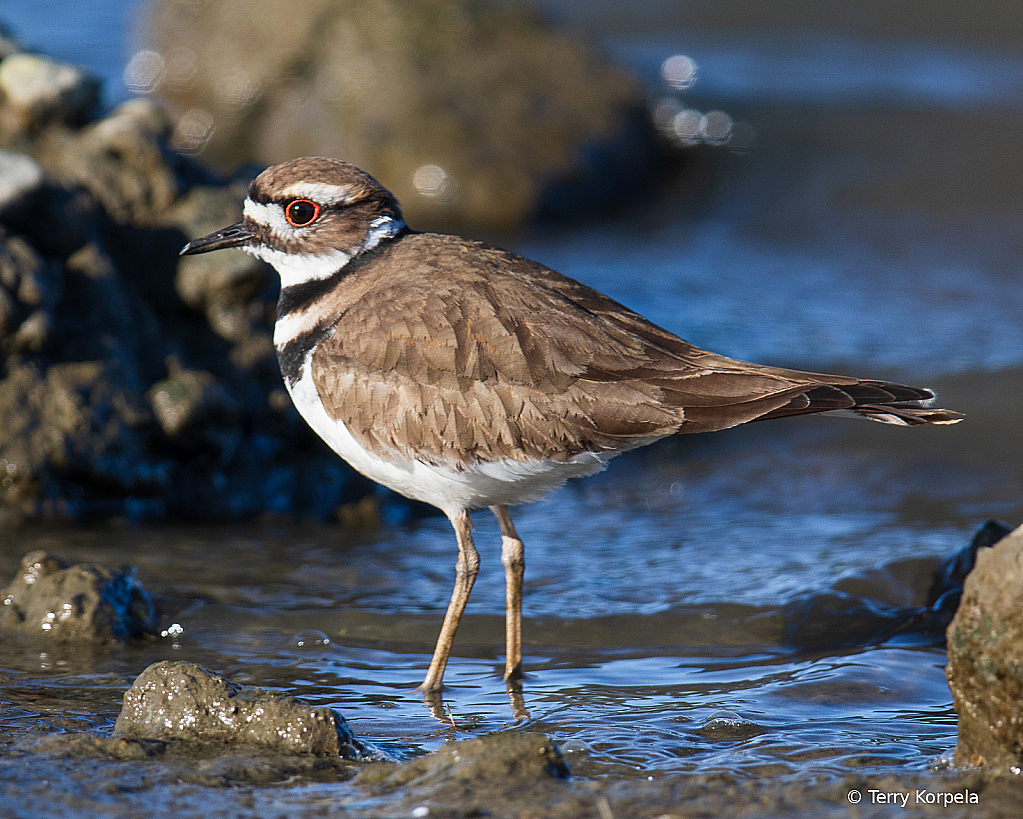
(505,482)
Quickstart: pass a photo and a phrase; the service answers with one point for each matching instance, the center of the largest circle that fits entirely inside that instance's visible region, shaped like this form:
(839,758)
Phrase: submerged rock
(470,112)
(985,658)
(82,603)
(184,701)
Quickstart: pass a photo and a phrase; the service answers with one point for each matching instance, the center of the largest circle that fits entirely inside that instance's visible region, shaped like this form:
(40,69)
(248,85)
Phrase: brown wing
(511,359)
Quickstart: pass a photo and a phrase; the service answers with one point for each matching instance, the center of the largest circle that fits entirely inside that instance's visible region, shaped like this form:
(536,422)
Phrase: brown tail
(877,400)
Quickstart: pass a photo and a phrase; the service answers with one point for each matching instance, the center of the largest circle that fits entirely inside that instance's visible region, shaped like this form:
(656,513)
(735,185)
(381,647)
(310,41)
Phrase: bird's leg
(466,569)
(513,558)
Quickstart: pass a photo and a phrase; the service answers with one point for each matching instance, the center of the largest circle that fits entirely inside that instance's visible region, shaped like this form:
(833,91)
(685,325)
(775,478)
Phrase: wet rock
(251,768)
(470,112)
(919,595)
(985,658)
(727,726)
(78,419)
(947,590)
(30,289)
(87,602)
(112,762)
(37,90)
(185,701)
(473,776)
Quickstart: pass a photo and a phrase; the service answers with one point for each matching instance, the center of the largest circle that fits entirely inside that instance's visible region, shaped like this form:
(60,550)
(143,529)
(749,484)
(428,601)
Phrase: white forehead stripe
(270,216)
(319,192)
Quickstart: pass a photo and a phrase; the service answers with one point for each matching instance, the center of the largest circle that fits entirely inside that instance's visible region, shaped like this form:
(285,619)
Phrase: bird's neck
(309,307)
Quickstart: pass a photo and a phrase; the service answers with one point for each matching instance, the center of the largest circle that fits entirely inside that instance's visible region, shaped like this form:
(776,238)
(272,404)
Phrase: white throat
(299,268)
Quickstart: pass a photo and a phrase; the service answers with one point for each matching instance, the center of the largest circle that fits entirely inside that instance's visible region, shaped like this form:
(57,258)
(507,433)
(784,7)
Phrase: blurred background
(832,186)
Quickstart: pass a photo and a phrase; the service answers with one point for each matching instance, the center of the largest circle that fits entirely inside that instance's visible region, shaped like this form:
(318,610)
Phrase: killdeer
(467,377)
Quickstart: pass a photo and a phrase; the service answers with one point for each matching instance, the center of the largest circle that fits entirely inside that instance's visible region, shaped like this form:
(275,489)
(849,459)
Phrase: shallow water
(872,228)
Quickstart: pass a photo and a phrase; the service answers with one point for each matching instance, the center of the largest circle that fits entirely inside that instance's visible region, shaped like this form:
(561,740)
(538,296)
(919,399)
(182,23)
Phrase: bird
(468,377)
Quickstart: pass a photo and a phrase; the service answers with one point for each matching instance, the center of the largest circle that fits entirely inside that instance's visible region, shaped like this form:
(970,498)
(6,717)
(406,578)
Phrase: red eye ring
(301,212)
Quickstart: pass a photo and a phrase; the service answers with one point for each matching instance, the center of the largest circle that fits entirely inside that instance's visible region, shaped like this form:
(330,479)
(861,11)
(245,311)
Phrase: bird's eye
(301,212)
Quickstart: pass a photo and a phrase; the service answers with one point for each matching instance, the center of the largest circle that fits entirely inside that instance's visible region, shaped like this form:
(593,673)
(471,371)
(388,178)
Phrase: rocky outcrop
(471,112)
(985,658)
(133,384)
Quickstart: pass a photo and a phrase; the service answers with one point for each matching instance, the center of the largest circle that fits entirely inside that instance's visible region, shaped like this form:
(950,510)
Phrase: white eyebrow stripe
(320,192)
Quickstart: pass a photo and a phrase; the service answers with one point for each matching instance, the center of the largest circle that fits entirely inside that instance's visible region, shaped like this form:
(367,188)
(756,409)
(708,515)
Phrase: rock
(947,590)
(122,159)
(985,658)
(83,745)
(504,774)
(82,603)
(27,283)
(128,388)
(471,112)
(468,778)
(183,701)
(20,176)
(189,401)
(872,606)
(30,289)
(80,418)
(37,90)
(132,384)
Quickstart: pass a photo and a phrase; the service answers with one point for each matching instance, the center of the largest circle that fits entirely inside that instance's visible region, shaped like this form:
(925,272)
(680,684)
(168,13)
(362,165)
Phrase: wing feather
(509,359)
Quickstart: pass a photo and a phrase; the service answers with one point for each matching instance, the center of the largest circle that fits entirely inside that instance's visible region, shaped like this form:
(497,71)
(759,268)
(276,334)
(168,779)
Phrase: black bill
(236,235)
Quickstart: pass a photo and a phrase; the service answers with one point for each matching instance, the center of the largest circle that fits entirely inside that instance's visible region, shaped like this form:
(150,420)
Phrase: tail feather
(879,401)
(906,415)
